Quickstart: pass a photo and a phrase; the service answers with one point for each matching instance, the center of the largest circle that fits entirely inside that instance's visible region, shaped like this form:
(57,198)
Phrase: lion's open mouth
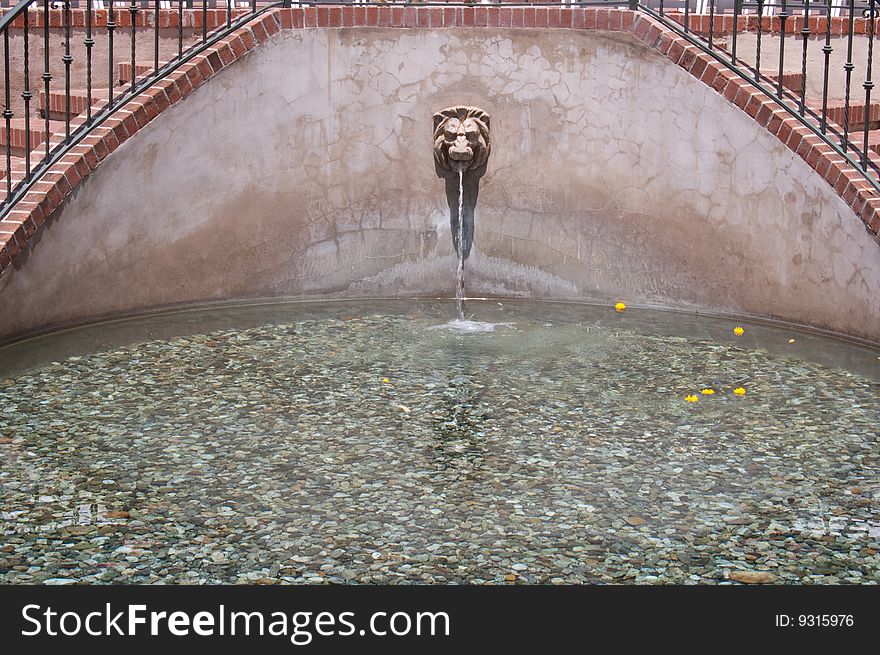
(463,154)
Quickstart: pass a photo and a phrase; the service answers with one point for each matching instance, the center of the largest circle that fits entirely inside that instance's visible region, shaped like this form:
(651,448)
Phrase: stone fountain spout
(461,150)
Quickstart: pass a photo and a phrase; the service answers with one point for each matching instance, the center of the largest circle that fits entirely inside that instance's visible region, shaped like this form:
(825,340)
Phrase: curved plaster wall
(306,168)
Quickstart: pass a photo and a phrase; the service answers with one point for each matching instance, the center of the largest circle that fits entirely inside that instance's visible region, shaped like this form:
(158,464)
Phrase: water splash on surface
(464,325)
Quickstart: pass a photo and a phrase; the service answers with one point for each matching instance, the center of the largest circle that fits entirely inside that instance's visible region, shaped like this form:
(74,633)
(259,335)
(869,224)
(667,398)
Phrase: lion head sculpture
(461,138)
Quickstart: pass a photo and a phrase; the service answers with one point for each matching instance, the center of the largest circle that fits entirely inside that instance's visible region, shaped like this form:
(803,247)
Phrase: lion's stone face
(461,142)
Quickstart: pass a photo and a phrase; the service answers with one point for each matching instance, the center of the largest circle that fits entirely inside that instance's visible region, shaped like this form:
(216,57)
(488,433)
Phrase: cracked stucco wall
(306,169)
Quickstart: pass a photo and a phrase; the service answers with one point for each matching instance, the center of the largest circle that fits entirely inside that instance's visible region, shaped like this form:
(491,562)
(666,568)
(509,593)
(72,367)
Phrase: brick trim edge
(48,194)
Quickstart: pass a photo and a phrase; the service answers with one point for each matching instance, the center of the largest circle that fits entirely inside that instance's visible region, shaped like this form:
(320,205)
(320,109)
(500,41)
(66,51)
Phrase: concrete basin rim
(268,301)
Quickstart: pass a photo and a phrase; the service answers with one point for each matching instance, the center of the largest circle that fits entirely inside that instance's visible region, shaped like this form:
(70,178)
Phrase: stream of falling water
(459,288)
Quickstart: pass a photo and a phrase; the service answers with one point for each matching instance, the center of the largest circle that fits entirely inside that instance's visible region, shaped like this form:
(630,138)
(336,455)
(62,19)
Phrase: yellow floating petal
(739,391)
(619,307)
(691,398)
(738,331)
(708,392)
(385,380)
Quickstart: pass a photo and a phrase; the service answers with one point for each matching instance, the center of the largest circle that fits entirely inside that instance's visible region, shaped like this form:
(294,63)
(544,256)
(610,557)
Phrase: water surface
(382,442)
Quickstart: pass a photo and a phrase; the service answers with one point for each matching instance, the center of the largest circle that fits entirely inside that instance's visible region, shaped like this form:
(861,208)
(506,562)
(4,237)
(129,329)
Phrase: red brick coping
(722,25)
(145,17)
(47,195)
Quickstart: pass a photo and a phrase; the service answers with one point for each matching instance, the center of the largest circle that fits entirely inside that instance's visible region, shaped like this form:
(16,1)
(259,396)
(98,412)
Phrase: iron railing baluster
(89,43)
(758,45)
(783,17)
(711,21)
(805,34)
(826,50)
(68,60)
(133,11)
(111,27)
(848,68)
(869,84)
(7,111)
(156,39)
(179,28)
(47,76)
(26,96)
(737,6)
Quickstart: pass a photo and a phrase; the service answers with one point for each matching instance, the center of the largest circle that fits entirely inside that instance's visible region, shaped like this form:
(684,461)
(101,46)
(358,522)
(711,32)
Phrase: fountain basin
(369,442)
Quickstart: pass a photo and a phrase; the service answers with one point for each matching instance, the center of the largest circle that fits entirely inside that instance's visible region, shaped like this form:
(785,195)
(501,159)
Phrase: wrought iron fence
(69,64)
(54,94)
(819,65)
